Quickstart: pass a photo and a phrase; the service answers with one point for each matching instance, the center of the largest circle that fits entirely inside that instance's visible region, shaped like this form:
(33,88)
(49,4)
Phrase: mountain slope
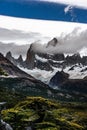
(11,69)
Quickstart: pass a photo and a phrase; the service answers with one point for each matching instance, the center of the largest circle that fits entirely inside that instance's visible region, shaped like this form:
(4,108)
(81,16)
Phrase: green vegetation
(12,97)
(2,72)
(43,114)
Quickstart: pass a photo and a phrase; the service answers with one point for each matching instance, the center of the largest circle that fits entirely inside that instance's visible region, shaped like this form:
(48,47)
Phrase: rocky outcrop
(74,59)
(11,69)
(5,126)
(10,58)
(62,81)
(20,61)
(32,62)
(30,59)
(59,78)
(53,42)
(43,65)
(16,62)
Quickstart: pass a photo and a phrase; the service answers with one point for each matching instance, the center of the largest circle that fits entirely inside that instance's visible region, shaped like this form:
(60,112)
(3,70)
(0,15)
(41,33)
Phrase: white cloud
(79,3)
(24,31)
(15,49)
(70,43)
(71,36)
(68,9)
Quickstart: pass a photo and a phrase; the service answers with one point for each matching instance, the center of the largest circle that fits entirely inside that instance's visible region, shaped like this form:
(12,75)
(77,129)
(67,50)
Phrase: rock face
(16,62)
(29,63)
(10,58)
(5,126)
(20,61)
(10,68)
(62,81)
(59,78)
(53,42)
(74,59)
(44,60)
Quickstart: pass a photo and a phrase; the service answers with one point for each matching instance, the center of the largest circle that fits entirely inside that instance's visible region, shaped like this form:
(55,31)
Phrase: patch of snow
(57,61)
(45,76)
(76,73)
(42,75)
(40,58)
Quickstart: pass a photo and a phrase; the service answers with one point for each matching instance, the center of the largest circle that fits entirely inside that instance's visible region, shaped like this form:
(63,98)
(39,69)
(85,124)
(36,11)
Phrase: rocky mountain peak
(30,57)
(20,59)
(11,58)
(53,42)
(59,78)
(1,56)
(9,55)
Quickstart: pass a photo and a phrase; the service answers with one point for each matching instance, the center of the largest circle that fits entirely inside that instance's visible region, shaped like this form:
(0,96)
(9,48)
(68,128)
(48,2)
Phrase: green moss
(46,126)
(43,114)
(2,72)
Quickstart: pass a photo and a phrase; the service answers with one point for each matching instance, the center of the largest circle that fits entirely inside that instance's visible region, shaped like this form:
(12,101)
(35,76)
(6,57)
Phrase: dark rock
(43,65)
(84,60)
(58,57)
(59,78)
(10,58)
(53,42)
(83,70)
(74,59)
(30,58)
(20,61)
(10,68)
(72,68)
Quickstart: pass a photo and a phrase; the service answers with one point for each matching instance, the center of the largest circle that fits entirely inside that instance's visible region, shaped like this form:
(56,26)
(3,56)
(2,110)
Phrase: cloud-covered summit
(70,43)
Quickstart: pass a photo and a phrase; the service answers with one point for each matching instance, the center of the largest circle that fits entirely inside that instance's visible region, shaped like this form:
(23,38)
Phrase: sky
(46,9)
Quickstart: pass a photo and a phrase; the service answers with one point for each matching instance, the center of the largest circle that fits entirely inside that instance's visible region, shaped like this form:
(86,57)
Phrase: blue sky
(42,10)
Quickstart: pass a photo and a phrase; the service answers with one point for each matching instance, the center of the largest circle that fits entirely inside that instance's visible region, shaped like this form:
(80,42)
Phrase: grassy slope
(44,114)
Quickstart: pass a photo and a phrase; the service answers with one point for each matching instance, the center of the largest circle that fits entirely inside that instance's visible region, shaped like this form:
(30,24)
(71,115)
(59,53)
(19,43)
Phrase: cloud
(79,3)
(67,9)
(15,49)
(71,36)
(7,34)
(70,43)
(43,27)
(70,10)
(67,43)
(20,37)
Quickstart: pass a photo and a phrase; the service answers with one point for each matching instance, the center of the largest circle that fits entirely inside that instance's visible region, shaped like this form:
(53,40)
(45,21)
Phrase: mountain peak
(8,55)
(20,59)
(53,42)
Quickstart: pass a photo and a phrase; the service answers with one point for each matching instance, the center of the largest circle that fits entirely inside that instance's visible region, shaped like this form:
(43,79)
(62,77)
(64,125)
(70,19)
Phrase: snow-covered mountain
(43,66)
